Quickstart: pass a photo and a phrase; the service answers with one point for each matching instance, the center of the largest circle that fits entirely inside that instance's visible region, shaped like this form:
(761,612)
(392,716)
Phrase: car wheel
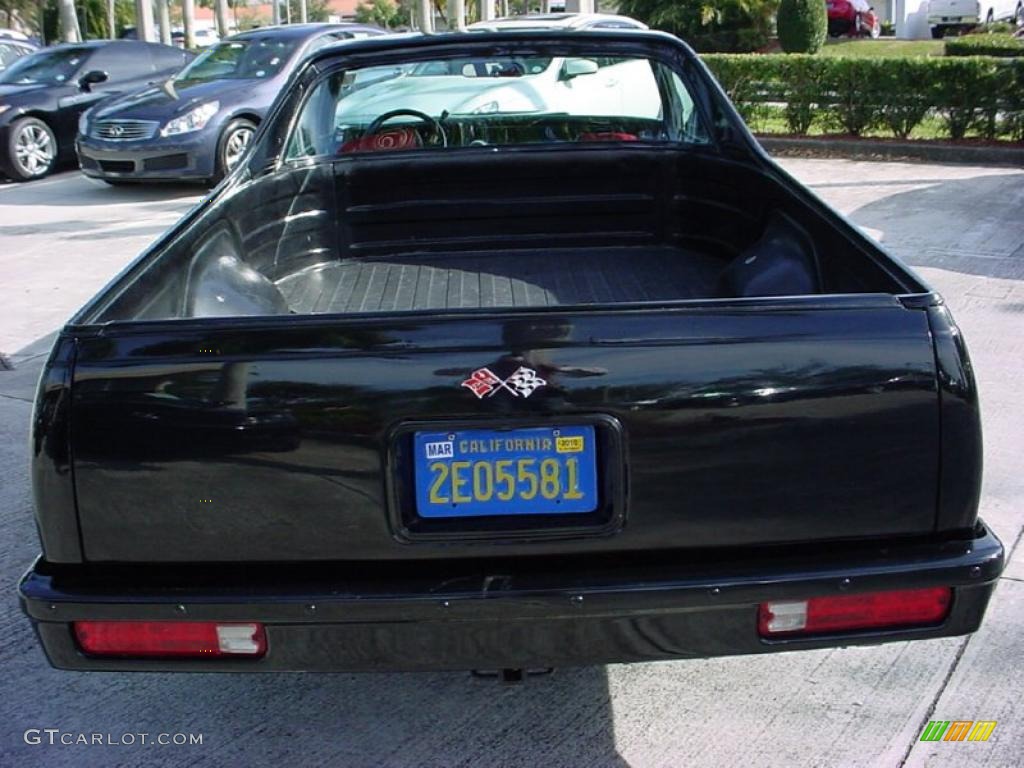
(31,149)
(234,141)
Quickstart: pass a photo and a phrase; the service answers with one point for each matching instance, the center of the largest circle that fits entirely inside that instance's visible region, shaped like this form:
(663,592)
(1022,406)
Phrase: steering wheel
(434,123)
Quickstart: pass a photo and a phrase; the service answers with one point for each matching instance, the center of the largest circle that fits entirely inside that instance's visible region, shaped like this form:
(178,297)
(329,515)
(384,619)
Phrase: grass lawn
(889,49)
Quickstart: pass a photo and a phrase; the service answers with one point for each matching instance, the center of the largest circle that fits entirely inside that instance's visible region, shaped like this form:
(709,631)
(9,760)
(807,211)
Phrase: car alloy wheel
(235,145)
(33,149)
(232,145)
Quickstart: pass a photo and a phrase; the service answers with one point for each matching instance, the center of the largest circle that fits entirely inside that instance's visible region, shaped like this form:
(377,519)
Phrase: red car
(852,17)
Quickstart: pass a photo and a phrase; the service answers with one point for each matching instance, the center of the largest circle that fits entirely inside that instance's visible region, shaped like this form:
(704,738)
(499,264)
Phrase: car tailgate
(743,423)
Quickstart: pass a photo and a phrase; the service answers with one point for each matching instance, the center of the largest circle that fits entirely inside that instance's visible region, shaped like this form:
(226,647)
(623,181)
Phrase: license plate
(482,472)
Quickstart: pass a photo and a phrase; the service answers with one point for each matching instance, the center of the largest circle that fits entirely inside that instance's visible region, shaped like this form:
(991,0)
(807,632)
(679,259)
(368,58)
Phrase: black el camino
(504,351)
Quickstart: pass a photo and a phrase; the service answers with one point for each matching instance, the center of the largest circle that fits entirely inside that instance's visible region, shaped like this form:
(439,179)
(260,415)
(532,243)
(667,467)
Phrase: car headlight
(193,120)
(83,123)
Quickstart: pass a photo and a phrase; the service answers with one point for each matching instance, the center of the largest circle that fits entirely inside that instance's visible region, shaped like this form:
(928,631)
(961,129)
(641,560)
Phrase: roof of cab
(415,42)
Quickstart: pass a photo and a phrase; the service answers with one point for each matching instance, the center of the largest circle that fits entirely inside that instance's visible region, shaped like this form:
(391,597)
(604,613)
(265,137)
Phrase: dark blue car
(197,125)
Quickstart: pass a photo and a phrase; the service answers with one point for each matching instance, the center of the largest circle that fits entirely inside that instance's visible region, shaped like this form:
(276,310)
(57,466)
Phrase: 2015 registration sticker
(532,471)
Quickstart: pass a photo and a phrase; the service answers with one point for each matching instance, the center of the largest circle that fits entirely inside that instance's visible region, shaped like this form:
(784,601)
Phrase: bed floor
(430,281)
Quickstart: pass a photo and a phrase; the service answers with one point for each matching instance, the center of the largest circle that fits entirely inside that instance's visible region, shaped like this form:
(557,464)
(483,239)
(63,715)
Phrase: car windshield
(241,60)
(53,67)
(503,100)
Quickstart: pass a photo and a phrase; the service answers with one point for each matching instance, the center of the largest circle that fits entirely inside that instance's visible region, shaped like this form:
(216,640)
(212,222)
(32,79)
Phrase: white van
(946,15)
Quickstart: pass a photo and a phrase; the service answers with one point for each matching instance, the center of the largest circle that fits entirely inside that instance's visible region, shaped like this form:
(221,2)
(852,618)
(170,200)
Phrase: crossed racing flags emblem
(483,382)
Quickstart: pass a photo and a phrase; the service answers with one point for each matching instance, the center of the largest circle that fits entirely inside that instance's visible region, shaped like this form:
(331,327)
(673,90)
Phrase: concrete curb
(855,149)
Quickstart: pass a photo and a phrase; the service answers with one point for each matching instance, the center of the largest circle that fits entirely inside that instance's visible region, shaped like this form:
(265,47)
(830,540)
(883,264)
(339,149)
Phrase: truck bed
(485,280)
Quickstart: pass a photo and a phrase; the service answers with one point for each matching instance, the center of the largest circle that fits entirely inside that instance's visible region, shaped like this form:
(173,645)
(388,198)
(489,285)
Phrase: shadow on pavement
(75,189)
(971,226)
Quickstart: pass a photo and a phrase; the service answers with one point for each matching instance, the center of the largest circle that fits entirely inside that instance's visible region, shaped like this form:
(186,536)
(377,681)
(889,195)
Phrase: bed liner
(533,278)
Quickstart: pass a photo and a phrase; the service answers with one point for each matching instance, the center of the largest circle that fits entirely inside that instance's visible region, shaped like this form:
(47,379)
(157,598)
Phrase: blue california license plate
(478,472)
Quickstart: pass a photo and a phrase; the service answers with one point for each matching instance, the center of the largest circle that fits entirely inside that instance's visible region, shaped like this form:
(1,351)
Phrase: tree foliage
(92,18)
(233,4)
(384,13)
(24,10)
(802,25)
(316,10)
(709,25)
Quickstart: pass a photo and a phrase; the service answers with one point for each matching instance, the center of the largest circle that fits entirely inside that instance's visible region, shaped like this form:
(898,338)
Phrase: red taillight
(873,610)
(178,639)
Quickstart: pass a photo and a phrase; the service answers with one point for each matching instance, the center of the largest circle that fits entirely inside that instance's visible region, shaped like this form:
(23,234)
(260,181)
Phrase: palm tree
(165,21)
(222,17)
(426,16)
(457,14)
(188,21)
(69,29)
(144,20)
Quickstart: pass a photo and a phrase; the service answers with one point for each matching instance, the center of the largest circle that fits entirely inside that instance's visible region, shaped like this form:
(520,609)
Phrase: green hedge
(985,45)
(802,25)
(889,96)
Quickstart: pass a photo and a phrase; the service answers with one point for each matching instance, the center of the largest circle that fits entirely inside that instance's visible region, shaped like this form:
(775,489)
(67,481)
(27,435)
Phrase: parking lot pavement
(63,238)
(962,227)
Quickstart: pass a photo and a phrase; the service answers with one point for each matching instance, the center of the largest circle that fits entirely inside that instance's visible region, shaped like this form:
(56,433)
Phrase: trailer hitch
(511,675)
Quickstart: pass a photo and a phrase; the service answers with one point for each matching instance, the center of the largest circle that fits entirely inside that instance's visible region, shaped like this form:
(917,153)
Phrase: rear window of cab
(495,101)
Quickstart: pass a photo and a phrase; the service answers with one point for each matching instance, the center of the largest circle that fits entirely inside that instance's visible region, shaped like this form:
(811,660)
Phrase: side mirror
(576,67)
(91,78)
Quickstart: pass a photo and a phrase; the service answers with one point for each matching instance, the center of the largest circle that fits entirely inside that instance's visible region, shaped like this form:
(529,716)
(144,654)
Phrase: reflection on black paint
(290,425)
